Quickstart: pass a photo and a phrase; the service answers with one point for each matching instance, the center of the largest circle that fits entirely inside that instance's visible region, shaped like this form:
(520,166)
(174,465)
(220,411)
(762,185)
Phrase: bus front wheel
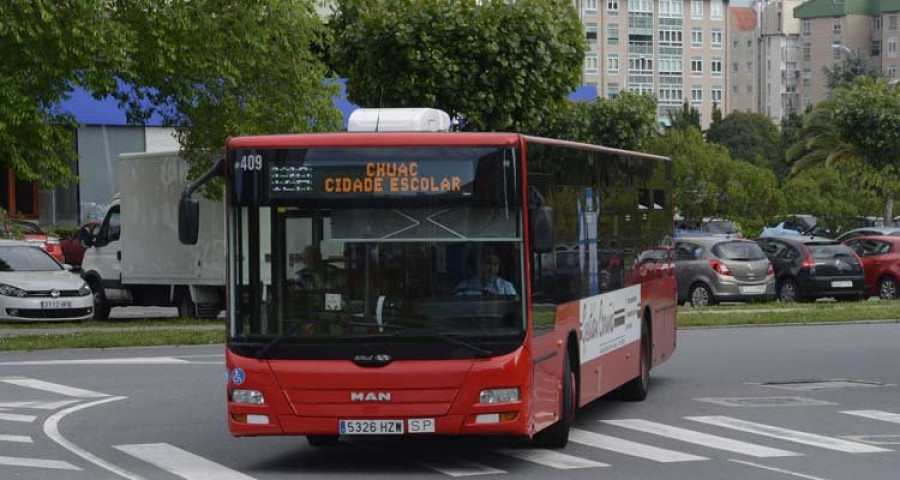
(557,435)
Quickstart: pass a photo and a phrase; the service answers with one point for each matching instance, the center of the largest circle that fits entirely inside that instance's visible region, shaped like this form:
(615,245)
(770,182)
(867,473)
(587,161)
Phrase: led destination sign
(394,177)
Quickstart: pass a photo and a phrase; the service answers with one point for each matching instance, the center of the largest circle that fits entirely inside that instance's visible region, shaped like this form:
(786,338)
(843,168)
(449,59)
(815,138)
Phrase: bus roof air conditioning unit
(398,120)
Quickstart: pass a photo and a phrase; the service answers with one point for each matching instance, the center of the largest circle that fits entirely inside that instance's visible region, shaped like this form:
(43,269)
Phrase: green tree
(688,116)
(835,195)
(854,65)
(625,122)
(499,65)
(210,68)
(751,137)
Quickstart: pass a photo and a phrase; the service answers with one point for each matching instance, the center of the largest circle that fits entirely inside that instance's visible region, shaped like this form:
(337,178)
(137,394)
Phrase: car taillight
(808,262)
(770,271)
(52,241)
(720,268)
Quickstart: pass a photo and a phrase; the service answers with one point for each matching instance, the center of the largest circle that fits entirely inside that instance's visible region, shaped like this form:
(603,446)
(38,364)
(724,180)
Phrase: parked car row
(791,268)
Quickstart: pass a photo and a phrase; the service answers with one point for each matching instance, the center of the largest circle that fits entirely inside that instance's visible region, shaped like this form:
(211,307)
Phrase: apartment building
(779,45)
(743,60)
(830,29)
(673,49)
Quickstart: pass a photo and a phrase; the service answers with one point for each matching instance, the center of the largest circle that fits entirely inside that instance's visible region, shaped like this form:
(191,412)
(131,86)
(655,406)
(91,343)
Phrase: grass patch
(113,339)
(772,313)
(113,323)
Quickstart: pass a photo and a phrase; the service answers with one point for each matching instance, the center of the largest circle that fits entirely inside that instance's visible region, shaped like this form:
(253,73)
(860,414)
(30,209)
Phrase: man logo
(370,397)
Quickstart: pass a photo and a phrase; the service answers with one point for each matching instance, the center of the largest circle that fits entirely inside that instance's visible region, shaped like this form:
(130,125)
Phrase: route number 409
(251,162)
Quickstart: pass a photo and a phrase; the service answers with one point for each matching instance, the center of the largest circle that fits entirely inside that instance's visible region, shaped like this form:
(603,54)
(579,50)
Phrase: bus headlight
(247,396)
(499,395)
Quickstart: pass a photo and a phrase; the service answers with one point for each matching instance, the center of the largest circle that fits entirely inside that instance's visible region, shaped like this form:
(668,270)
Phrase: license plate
(421,425)
(56,304)
(754,289)
(371,427)
(842,284)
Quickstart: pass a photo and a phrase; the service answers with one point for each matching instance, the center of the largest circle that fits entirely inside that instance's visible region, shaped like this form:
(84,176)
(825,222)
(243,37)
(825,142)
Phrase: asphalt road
(158,413)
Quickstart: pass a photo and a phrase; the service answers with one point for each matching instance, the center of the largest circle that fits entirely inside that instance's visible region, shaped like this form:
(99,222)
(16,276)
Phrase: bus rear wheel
(557,435)
(636,390)
(322,440)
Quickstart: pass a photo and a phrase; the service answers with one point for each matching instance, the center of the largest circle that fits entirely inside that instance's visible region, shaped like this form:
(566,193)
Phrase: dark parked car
(881,262)
(715,269)
(807,268)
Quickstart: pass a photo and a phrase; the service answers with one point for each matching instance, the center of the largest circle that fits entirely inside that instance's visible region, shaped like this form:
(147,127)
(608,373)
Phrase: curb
(798,324)
(31,332)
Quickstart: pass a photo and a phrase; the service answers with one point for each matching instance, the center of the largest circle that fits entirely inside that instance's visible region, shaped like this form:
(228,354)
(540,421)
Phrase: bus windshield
(411,279)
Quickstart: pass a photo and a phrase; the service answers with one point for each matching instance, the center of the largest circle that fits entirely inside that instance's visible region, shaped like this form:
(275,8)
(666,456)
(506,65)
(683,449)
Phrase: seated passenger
(489,281)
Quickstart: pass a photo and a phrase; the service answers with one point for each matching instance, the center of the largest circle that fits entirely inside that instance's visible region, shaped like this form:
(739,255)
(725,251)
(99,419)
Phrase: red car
(33,234)
(73,249)
(880,257)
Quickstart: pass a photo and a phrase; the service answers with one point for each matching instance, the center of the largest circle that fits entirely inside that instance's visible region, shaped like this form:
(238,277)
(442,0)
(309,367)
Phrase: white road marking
(875,415)
(456,467)
(16,438)
(37,463)
(626,447)
(38,404)
(52,387)
(698,438)
(14,417)
(181,462)
(795,436)
(101,361)
(779,470)
(552,459)
(51,429)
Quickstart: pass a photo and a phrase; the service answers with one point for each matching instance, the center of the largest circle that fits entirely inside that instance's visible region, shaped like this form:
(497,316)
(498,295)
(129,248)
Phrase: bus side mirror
(188,220)
(542,230)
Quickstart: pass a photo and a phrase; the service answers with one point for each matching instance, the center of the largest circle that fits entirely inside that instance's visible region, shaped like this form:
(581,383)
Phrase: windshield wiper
(296,326)
(275,341)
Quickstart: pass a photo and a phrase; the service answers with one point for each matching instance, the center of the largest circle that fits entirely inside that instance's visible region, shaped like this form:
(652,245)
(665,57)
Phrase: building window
(807,28)
(612,91)
(697,95)
(805,102)
(612,34)
(640,6)
(670,38)
(876,22)
(749,66)
(807,77)
(836,50)
(612,5)
(715,93)
(716,10)
(612,63)
(590,31)
(892,22)
(590,63)
(749,89)
(734,66)
(749,43)
(696,67)
(876,47)
(697,9)
(734,43)
(807,49)
(892,71)
(670,66)
(715,38)
(715,66)
(697,37)
(735,91)
(590,6)
(892,47)
(670,8)
(838,26)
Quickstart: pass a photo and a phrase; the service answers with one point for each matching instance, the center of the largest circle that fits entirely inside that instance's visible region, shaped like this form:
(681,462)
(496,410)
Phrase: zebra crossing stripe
(14,417)
(795,436)
(626,447)
(552,459)
(16,438)
(457,467)
(875,415)
(52,387)
(181,463)
(37,463)
(698,438)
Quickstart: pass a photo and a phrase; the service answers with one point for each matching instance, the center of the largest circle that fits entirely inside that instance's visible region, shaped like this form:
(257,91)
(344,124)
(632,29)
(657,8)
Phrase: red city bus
(439,283)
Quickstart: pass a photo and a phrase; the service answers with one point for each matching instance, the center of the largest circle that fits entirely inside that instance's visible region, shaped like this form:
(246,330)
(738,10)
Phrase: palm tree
(821,142)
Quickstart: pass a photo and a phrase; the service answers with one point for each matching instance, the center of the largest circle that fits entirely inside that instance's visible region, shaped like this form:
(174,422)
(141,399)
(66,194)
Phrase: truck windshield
(422,279)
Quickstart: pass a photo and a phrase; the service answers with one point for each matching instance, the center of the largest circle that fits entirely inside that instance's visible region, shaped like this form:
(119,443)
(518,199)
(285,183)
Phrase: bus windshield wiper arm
(275,341)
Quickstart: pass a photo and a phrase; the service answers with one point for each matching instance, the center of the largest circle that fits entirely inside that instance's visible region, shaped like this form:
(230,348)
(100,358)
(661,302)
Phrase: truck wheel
(557,435)
(637,389)
(186,307)
(101,305)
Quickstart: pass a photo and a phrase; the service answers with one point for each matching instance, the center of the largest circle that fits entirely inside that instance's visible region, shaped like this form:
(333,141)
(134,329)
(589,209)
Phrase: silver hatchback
(713,269)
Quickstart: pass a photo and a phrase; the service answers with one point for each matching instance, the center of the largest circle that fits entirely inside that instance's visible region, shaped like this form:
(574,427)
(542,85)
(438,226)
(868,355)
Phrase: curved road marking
(51,429)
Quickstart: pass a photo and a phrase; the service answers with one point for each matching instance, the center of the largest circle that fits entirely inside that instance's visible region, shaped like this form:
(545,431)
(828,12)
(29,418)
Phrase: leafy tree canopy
(852,66)
(499,65)
(751,137)
(834,195)
(688,116)
(625,122)
(211,68)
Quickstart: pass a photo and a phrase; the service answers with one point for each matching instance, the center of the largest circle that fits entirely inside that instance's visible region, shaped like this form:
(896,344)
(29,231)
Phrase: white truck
(136,258)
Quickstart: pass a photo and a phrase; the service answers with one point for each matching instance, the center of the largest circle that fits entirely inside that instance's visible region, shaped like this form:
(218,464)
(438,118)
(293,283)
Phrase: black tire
(888,288)
(101,305)
(788,291)
(701,296)
(637,389)
(557,435)
(186,307)
(322,440)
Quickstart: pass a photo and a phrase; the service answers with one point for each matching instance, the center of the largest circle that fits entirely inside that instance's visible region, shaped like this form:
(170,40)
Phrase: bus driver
(489,281)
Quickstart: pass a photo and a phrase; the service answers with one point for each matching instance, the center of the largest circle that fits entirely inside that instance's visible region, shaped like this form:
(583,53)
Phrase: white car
(34,286)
